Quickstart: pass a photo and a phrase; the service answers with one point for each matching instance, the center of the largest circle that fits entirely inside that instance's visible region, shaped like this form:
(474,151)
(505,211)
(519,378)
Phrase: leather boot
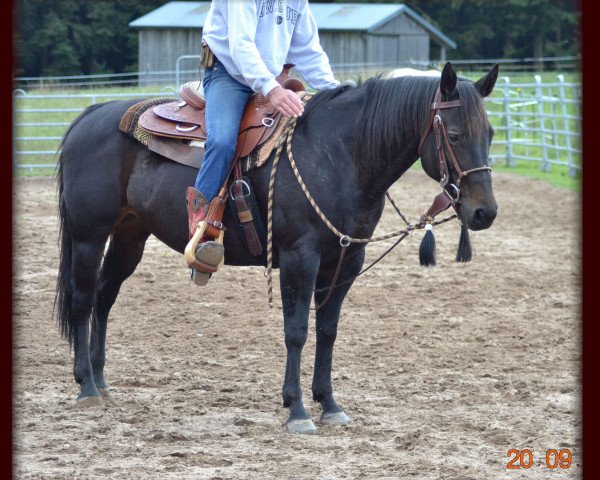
(209,253)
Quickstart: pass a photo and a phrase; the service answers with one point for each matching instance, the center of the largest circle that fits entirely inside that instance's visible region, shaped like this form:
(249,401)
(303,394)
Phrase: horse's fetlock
(291,395)
(321,392)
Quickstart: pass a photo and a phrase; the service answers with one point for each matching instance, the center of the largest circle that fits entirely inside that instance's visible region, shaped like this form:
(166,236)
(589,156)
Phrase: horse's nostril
(483,217)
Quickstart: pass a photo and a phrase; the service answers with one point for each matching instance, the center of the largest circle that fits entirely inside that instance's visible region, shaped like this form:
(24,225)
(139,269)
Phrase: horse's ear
(448,81)
(485,84)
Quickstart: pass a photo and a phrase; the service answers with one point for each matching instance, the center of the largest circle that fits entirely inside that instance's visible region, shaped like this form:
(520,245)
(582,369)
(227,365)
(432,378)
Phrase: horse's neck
(374,180)
(374,185)
(328,138)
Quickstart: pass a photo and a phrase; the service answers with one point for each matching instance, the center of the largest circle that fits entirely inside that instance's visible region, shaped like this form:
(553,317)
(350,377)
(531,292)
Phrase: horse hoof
(106,396)
(305,426)
(336,418)
(89,402)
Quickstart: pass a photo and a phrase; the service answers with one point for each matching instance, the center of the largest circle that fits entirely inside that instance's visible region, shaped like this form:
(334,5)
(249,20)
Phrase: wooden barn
(352,34)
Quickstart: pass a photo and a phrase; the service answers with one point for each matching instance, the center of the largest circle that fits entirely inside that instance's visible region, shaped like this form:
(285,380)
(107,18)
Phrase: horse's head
(455,146)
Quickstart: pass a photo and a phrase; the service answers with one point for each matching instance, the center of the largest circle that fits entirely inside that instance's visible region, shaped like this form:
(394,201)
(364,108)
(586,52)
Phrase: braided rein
(345,240)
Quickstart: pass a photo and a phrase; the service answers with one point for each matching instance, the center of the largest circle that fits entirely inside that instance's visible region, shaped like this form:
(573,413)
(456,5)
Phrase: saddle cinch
(178,128)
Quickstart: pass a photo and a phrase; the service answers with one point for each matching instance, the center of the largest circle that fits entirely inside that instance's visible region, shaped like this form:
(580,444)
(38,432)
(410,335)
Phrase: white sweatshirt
(253,39)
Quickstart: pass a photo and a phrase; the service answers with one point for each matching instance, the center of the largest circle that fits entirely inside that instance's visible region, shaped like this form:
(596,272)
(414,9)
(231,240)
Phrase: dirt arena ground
(443,370)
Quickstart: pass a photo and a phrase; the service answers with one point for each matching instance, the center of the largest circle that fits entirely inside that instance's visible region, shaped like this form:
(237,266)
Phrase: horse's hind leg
(86,257)
(327,318)
(122,257)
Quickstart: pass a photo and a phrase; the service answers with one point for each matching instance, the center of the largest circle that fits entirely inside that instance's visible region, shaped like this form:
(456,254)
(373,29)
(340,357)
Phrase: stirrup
(190,249)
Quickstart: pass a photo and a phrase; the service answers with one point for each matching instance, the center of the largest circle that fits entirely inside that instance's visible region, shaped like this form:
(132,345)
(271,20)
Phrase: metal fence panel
(533,121)
(538,122)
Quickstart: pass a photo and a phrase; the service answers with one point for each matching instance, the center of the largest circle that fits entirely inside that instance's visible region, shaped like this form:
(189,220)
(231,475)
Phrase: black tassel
(427,248)
(464,253)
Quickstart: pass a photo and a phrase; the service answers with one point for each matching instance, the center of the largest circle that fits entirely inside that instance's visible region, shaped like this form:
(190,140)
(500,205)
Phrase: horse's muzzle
(482,218)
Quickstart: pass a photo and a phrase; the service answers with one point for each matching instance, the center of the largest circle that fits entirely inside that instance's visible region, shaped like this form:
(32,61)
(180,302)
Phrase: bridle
(440,203)
(436,123)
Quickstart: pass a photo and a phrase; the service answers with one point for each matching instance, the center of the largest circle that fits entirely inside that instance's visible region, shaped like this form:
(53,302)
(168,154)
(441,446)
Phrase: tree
(69,37)
(500,28)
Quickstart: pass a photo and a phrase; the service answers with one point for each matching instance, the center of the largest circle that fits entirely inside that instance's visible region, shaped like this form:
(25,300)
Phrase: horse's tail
(62,299)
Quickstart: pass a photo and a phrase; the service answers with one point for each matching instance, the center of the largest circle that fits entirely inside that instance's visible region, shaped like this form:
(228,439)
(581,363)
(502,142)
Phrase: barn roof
(329,16)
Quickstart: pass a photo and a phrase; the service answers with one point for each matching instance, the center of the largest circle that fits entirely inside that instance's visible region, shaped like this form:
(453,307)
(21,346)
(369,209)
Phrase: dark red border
(591,159)
(591,468)
(6,32)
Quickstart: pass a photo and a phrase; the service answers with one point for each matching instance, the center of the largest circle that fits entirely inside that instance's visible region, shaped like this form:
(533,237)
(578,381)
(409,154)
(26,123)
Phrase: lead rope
(345,240)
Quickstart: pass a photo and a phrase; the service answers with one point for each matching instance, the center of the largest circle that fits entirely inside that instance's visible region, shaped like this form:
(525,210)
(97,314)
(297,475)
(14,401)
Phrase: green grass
(34,172)
(557,176)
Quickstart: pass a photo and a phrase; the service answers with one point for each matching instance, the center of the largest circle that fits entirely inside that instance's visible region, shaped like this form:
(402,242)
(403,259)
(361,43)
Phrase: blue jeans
(226,99)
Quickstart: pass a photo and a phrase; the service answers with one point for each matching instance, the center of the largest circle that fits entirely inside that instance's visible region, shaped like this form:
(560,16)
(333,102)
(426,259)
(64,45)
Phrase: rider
(246,43)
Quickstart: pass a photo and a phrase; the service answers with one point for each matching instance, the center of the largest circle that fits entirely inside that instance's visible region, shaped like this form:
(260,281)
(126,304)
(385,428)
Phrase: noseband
(441,139)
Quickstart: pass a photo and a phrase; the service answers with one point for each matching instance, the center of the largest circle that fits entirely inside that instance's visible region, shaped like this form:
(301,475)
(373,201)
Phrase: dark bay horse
(359,139)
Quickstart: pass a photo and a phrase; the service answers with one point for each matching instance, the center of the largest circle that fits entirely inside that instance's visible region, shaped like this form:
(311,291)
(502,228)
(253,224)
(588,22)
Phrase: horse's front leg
(298,272)
(326,326)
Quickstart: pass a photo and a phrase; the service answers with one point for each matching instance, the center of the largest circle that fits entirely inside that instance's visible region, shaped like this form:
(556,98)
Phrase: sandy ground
(443,370)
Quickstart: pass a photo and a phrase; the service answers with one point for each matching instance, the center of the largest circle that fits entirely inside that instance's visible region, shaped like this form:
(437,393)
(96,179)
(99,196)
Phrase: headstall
(436,123)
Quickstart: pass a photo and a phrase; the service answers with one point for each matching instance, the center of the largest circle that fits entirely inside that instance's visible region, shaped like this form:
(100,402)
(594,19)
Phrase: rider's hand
(286,102)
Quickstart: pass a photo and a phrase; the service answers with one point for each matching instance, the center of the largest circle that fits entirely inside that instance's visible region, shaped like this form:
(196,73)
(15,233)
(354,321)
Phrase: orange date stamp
(524,459)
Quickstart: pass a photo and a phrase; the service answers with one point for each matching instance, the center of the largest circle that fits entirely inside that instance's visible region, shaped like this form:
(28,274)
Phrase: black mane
(394,114)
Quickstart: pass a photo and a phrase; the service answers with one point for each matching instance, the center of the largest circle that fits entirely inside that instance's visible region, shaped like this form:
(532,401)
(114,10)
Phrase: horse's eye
(453,138)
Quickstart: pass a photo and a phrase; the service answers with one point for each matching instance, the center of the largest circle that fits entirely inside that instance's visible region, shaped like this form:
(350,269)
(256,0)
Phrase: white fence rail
(539,122)
(26,151)
(193,71)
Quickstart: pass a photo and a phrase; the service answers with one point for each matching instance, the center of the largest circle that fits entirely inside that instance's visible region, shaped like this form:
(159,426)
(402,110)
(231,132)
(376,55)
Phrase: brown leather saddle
(177,130)
(185,120)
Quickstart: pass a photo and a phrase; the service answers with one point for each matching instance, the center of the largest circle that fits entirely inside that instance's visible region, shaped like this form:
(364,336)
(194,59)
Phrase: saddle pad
(129,120)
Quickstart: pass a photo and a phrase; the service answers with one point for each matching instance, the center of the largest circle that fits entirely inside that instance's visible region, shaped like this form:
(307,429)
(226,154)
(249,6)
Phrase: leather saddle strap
(245,213)
(214,217)
(216,208)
